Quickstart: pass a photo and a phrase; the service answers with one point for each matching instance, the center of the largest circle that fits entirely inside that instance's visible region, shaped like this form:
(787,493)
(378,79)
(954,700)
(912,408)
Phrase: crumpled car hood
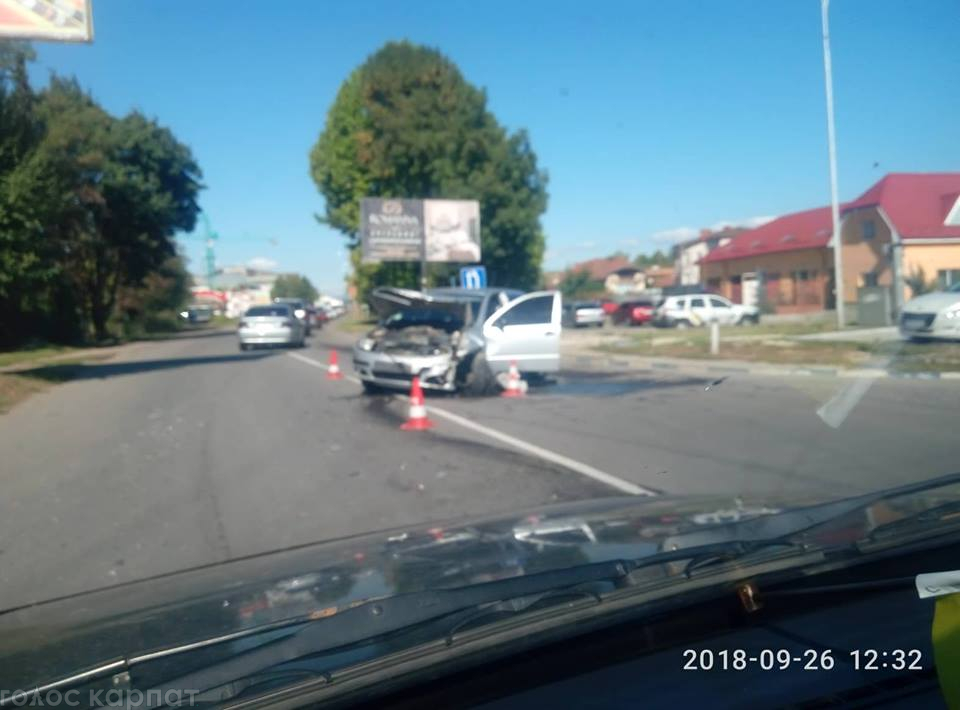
(386,301)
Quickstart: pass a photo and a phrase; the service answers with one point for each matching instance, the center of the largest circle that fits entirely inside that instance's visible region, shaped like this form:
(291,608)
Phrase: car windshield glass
(268,311)
(306,304)
(434,318)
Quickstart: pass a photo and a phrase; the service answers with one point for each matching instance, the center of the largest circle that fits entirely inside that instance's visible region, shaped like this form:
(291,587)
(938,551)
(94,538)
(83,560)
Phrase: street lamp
(832,148)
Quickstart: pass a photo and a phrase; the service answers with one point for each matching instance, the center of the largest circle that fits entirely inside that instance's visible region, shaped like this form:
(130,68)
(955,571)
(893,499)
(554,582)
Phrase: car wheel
(600,324)
(479,380)
(682,324)
(244,347)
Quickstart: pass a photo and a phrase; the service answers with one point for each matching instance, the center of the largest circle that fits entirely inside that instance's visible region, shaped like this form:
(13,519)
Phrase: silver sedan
(275,324)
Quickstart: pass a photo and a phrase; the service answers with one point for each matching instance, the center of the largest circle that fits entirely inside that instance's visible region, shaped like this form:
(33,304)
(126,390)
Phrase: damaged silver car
(458,339)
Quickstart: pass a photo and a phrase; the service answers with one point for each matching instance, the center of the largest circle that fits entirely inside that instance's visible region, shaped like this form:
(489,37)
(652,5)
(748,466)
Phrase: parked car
(609,306)
(197,314)
(275,324)
(636,312)
(301,311)
(583,313)
(702,308)
(932,315)
(458,339)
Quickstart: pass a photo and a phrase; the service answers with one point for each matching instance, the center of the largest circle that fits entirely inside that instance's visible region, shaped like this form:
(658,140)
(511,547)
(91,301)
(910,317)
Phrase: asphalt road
(185,452)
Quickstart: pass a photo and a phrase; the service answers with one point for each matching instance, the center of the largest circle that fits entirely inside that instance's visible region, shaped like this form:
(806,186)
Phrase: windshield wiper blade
(379,617)
(373,619)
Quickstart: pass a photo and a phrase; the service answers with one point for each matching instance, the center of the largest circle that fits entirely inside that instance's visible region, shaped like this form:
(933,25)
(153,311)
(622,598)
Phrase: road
(186,451)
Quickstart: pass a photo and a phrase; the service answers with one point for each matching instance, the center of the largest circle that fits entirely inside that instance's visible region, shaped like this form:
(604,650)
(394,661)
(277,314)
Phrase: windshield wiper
(372,619)
(375,619)
(727,541)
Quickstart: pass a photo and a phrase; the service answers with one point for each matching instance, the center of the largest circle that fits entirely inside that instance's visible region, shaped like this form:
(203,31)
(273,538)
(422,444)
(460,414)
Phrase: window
(534,310)
(868,230)
(697,303)
(718,303)
(869,279)
(948,277)
(801,275)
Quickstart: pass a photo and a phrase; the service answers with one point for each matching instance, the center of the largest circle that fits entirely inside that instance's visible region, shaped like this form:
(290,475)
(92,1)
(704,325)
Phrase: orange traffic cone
(513,388)
(417,419)
(333,369)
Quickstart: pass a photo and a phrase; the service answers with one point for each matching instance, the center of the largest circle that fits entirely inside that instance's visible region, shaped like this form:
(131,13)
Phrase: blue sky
(652,118)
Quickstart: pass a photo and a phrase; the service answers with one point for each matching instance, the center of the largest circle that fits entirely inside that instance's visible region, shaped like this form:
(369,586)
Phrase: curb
(765,370)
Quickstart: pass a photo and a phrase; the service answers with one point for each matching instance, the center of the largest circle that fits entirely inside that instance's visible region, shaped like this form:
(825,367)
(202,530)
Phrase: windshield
(306,304)
(268,311)
(445,320)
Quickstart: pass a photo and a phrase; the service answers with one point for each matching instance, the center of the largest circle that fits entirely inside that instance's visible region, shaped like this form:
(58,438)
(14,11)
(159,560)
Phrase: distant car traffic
(637,312)
(275,324)
(583,313)
(933,315)
(458,339)
(703,308)
(301,310)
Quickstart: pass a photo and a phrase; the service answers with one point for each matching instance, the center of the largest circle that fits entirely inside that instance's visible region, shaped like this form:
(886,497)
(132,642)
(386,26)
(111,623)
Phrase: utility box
(874,306)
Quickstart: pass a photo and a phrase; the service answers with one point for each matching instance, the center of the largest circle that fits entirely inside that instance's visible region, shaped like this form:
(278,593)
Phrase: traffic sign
(473,277)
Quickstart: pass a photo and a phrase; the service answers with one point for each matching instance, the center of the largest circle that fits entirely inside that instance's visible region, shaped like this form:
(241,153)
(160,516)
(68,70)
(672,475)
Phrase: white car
(933,315)
(698,309)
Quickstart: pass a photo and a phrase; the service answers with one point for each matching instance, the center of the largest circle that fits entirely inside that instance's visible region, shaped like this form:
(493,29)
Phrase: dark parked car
(637,312)
(301,309)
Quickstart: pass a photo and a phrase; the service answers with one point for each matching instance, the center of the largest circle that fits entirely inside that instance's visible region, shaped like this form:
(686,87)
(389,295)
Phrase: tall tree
(407,124)
(294,286)
(126,186)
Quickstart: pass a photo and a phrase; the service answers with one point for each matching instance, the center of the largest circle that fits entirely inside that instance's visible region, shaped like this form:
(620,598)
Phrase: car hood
(932,302)
(387,301)
(55,638)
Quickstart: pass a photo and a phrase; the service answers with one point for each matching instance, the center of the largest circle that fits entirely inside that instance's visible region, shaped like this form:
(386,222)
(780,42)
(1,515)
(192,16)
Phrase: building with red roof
(902,227)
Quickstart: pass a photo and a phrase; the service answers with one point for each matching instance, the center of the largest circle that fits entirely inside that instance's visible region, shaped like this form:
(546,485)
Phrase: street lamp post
(832,148)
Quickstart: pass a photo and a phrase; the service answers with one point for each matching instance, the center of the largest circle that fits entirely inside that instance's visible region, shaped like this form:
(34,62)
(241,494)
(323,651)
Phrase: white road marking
(532,449)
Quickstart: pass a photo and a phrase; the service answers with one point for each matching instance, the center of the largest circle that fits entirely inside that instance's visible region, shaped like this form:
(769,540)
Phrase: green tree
(657,258)
(294,286)
(126,186)
(918,283)
(407,124)
(575,283)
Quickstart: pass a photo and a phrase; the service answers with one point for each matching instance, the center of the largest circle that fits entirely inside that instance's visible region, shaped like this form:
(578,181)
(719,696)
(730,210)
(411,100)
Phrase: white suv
(701,308)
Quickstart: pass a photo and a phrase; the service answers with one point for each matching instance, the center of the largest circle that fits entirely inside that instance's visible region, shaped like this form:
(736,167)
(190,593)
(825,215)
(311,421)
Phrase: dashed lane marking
(532,449)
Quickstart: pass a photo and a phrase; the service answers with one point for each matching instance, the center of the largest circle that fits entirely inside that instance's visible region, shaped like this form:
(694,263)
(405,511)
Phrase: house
(659,276)
(600,269)
(901,229)
(626,280)
(898,229)
(788,257)
(689,253)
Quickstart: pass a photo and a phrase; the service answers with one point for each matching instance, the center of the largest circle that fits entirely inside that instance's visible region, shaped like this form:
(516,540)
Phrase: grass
(355,325)
(17,385)
(777,348)
(32,354)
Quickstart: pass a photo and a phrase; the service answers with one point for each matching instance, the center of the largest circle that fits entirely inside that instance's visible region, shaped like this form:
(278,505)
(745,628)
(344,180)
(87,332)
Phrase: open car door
(527,329)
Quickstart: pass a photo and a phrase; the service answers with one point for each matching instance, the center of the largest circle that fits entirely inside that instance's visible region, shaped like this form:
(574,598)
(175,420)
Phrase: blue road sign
(473,277)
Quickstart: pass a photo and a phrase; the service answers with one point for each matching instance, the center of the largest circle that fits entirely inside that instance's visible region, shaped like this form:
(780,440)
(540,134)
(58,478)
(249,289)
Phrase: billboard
(415,230)
(452,230)
(391,230)
(61,20)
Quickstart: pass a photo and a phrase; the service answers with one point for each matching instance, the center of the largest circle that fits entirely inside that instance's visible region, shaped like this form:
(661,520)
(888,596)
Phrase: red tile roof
(599,269)
(916,203)
(809,229)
